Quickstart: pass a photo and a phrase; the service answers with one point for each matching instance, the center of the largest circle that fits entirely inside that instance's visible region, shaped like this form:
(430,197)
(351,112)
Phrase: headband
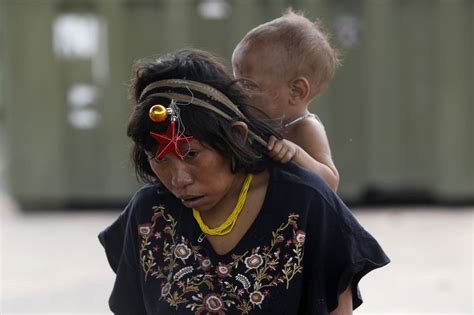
(187,92)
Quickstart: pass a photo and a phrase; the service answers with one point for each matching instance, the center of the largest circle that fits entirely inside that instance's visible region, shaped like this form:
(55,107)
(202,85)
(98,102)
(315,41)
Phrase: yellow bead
(158,113)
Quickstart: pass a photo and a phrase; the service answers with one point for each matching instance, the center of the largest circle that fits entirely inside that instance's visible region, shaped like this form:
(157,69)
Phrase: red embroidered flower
(205,264)
(300,237)
(144,229)
(254,261)
(256,297)
(182,252)
(223,270)
(213,303)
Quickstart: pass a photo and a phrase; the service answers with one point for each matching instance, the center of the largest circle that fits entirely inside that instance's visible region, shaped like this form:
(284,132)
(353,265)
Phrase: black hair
(205,125)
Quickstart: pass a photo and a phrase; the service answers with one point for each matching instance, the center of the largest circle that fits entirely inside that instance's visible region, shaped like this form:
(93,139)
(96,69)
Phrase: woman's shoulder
(298,178)
(149,194)
(308,191)
(147,191)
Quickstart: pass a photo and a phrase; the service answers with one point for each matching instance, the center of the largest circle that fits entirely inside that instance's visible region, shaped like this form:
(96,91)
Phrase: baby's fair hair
(300,46)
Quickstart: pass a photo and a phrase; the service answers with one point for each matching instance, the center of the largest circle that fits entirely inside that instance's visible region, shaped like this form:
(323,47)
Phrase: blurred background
(398,115)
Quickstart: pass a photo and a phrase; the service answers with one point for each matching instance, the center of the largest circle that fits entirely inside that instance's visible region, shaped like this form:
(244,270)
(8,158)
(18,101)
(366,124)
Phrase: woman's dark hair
(206,126)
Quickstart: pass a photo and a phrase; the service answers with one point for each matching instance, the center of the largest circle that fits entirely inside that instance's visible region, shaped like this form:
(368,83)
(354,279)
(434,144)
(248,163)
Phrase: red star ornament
(169,141)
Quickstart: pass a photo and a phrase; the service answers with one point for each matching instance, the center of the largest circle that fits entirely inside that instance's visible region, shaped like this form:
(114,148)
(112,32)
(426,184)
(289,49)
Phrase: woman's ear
(300,90)
(241,129)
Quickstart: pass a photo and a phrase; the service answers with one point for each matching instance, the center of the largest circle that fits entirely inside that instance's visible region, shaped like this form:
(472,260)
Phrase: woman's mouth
(192,202)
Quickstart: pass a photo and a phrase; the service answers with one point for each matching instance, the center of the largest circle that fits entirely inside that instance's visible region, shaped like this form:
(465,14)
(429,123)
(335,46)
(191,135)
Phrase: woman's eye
(191,154)
(156,159)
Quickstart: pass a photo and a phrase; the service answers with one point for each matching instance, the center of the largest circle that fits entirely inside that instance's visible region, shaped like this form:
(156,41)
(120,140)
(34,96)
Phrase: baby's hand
(282,150)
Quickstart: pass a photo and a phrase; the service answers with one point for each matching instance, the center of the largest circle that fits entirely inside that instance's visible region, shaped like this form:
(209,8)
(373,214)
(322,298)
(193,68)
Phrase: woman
(219,228)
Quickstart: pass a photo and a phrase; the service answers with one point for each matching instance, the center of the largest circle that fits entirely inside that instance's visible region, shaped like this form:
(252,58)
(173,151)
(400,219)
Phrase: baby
(285,64)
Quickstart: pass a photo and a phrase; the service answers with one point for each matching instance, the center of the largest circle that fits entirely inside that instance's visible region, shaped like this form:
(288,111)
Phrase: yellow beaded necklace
(229,223)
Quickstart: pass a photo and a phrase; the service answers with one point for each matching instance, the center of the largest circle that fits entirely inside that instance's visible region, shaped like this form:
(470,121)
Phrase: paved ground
(52,263)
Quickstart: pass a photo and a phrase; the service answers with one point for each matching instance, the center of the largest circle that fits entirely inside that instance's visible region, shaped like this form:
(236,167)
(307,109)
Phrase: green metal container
(398,113)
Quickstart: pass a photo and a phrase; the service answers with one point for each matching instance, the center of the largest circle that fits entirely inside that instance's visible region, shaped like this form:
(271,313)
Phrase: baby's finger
(277,147)
(271,143)
(278,151)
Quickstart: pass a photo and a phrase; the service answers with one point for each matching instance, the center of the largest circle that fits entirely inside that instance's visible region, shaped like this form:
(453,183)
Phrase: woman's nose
(181,177)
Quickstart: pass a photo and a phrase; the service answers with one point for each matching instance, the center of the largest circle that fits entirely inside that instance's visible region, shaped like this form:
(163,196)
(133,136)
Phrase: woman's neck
(221,210)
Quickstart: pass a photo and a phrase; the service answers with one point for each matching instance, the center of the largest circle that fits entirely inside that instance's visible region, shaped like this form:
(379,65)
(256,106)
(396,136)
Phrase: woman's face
(202,180)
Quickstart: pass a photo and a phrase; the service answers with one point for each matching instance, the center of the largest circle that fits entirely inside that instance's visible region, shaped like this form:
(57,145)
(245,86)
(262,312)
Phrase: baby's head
(285,61)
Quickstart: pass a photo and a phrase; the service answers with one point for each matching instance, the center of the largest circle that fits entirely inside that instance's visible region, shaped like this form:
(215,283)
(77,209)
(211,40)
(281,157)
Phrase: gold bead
(158,113)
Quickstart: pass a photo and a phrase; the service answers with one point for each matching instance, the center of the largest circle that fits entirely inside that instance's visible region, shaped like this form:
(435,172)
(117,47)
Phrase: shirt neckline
(253,234)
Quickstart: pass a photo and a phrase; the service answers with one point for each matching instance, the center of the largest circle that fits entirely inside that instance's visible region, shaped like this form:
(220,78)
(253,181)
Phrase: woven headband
(221,105)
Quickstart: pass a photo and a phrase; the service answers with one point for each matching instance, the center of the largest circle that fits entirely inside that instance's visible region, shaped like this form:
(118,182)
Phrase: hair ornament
(158,113)
(173,138)
(208,98)
(170,141)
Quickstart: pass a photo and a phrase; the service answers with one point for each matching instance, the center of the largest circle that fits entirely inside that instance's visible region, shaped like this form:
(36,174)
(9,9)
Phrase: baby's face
(268,90)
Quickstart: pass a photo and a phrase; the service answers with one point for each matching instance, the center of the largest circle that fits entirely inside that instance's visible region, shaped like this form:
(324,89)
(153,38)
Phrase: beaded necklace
(229,223)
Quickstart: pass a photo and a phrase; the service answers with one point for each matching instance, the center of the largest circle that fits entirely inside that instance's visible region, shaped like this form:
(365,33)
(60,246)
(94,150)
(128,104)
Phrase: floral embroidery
(300,236)
(182,252)
(144,229)
(223,270)
(205,264)
(243,280)
(188,276)
(256,297)
(254,261)
(213,303)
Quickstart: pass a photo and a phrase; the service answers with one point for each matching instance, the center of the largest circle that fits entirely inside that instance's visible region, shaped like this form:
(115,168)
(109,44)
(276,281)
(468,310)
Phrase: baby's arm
(311,152)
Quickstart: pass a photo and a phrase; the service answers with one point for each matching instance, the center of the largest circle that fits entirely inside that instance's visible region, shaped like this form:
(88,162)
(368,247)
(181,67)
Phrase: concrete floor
(52,263)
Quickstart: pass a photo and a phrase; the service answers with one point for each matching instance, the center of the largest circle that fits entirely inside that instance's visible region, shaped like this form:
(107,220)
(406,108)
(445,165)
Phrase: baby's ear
(240,128)
(300,89)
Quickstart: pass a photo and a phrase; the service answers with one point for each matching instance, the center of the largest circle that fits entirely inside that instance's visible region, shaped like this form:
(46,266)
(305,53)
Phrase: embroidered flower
(300,237)
(256,297)
(213,303)
(165,290)
(205,264)
(182,252)
(144,229)
(254,261)
(223,270)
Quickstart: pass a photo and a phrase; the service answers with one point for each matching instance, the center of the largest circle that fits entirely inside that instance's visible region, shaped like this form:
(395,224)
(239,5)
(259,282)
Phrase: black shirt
(303,249)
